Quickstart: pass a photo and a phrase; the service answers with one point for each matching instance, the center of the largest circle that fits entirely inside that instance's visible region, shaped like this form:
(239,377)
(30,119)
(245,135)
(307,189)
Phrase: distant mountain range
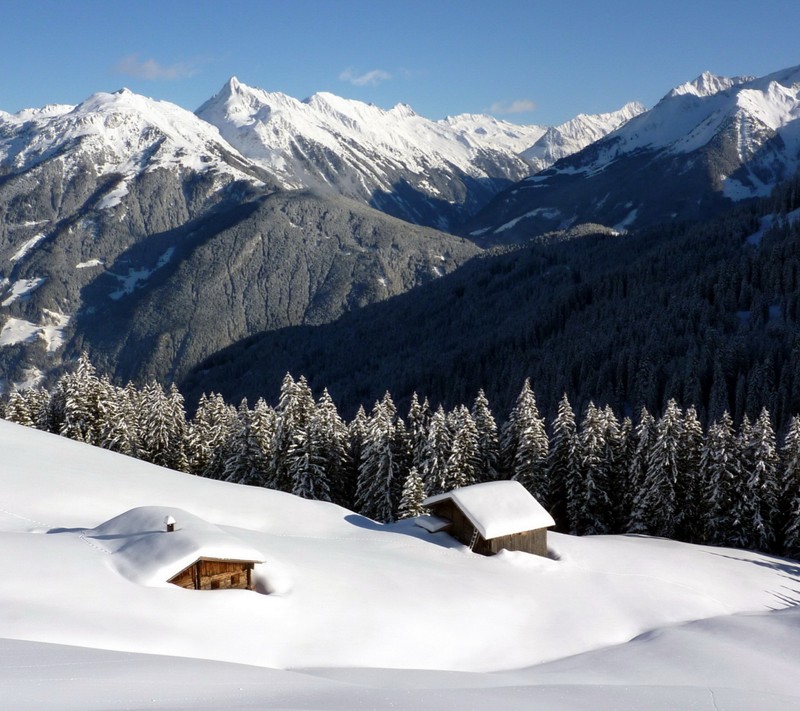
(706,145)
(435,173)
(154,237)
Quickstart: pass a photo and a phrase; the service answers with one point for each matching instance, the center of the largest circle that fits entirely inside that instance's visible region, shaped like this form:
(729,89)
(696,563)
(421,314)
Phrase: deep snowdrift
(348,593)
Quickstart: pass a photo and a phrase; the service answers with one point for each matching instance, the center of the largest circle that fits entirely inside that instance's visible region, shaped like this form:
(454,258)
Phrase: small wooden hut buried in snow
(155,545)
(491,516)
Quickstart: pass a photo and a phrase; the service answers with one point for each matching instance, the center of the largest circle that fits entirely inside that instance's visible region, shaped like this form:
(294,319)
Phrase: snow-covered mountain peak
(120,132)
(402,110)
(707,84)
(360,150)
(577,133)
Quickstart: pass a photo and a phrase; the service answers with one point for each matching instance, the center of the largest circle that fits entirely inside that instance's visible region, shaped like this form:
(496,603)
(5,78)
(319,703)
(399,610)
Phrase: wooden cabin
(156,545)
(216,574)
(490,517)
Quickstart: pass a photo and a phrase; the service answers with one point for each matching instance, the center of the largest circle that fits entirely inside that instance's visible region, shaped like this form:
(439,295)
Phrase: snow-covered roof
(497,508)
(145,552)
(432,524)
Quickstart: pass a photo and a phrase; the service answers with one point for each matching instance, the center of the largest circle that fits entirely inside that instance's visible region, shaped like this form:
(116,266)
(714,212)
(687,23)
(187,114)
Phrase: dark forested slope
(706,313)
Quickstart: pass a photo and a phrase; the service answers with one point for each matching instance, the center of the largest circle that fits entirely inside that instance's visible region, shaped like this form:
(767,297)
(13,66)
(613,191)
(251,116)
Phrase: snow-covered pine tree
(463,464)
(18,409)
(320,470)
(213,425)
(246,461)
(162,427)
(688,491)
(720,475)
(436,453)
(356,434)
(117,418)
(563,463)
(524,445)
(589,505)
(78,394)
(412,496)
(656,507)
(614,467)
(789,519)
(624,455)
(757,505)
(488,439)
(644,437)
(295,408)
(306,461)
(419,416)
(378,468)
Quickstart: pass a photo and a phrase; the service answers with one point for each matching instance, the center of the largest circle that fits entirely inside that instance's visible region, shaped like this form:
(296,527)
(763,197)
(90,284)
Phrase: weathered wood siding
(207,574)
(462,529)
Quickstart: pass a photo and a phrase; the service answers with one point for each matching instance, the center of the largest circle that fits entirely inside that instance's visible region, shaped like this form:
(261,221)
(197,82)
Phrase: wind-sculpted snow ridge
(350,599)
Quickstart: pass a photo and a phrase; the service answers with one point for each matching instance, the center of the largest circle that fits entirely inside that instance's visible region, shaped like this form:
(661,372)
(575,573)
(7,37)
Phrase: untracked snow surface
(349,614)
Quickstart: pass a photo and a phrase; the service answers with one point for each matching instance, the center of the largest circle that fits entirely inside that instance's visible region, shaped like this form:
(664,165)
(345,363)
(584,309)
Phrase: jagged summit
(707,84)
(423,171)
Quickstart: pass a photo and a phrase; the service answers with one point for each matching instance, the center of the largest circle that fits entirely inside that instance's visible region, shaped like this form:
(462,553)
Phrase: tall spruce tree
(720,473)
(688,492)
(789,514)
(295,409)
(247,462)
(760,490)
(412,496)
(524,445)
(463,464)
(588,505)
(436,453)
(488,439)
(563,463)
(379,467)
(656,506)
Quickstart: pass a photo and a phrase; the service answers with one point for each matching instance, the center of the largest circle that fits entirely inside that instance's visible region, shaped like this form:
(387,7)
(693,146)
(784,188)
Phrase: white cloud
(371,78)
(153,70)
(518,106)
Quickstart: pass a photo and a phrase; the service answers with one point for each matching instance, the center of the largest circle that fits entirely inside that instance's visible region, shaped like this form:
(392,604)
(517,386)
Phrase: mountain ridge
(703,147)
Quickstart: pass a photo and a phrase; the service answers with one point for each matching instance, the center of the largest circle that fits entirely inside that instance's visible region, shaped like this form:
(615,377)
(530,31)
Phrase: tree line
(665,476)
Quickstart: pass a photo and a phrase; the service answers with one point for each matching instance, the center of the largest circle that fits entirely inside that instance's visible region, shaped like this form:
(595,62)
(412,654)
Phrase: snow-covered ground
(364,616)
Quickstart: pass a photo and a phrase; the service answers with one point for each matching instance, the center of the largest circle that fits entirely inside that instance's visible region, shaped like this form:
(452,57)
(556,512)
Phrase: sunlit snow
(21,288)
(27,247)
(362,615)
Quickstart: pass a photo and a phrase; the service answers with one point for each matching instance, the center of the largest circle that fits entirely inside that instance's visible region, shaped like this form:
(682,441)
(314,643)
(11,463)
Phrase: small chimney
(169,522)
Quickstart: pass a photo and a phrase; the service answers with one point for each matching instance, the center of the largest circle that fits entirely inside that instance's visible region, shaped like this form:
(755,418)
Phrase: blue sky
(529,61)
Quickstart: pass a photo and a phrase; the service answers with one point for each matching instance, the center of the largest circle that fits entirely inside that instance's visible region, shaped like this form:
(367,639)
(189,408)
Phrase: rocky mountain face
(706,145)
(131,228)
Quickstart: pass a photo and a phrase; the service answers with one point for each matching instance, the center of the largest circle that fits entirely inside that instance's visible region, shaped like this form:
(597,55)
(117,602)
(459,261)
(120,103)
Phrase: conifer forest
(665,476)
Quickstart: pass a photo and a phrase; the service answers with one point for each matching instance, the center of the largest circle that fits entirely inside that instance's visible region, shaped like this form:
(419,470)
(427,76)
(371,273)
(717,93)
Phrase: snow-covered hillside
(344,604)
